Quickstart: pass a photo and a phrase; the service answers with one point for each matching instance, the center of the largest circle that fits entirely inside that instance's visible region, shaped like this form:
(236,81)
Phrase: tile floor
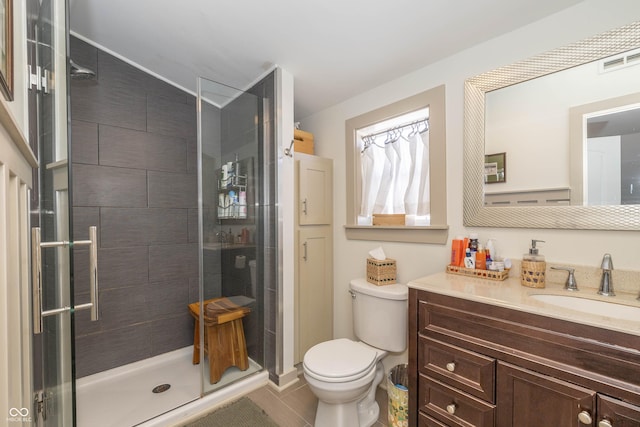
(296,405)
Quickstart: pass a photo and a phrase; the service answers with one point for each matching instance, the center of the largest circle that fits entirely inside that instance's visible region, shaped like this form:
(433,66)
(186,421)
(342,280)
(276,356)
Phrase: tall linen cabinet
(314,252)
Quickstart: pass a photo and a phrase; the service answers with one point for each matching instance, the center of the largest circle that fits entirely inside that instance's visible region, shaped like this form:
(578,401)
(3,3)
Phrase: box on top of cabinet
(303,141)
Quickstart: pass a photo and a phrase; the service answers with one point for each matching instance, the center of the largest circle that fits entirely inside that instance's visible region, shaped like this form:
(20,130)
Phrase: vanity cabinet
(476,364)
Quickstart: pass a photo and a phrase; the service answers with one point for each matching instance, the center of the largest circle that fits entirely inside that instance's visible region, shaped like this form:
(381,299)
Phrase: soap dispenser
(533,267)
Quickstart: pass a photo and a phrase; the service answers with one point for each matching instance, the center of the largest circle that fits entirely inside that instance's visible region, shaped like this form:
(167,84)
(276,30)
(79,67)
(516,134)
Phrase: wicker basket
(381,272)
(483,274)
(532,274)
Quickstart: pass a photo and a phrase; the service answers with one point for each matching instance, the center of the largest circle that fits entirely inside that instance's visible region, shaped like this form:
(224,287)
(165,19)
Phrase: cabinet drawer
(617,412)
(453,407)
(427,421)
(469,371)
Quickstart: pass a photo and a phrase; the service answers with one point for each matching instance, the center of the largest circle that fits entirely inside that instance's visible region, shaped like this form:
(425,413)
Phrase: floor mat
(241,413)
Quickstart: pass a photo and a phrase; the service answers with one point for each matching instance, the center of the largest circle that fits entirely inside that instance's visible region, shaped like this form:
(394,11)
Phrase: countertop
(510,294)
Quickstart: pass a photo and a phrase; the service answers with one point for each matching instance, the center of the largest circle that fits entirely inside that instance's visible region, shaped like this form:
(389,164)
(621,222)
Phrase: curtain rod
(406,125)
(394,133)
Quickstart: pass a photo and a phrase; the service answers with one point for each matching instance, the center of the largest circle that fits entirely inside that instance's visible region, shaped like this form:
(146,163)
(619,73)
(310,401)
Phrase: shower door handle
(36,270)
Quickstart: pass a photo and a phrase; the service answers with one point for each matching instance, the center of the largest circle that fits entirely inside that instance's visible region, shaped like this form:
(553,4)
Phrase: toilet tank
(380,314)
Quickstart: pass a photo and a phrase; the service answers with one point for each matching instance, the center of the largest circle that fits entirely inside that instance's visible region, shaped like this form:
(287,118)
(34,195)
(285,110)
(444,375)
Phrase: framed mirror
(507,110)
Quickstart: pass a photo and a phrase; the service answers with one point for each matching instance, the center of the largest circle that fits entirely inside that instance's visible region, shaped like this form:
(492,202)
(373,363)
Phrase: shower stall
(182,190)
(195,236)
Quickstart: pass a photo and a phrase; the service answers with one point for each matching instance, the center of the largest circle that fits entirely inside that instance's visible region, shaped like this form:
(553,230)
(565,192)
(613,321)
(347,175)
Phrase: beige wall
(415,260)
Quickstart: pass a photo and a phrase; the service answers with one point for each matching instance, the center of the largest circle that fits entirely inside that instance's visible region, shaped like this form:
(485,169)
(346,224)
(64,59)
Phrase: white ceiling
(335,49)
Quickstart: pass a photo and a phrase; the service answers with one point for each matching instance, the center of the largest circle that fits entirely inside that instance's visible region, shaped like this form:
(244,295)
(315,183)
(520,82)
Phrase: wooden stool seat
(224,340)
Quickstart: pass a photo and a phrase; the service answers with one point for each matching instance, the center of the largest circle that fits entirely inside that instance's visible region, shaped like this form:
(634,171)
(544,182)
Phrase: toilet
(344,374)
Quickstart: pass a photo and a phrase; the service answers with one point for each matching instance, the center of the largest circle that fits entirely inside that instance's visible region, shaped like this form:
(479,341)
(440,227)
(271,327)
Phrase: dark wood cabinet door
(617,413)
(528,399)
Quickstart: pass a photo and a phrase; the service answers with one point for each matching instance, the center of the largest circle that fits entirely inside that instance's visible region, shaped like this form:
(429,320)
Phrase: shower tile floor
(123,396)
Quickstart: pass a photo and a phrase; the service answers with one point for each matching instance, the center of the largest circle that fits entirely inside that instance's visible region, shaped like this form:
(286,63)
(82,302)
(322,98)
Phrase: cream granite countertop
(510,294)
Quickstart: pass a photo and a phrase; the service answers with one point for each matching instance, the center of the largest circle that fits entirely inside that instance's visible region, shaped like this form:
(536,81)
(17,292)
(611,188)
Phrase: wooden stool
(224,341)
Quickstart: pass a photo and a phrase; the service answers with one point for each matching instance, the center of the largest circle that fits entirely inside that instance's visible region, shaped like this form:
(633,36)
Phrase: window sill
(431,234)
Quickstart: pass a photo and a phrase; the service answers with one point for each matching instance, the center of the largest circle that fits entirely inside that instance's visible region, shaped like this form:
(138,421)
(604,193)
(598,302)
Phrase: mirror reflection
(570,137)
(612,170)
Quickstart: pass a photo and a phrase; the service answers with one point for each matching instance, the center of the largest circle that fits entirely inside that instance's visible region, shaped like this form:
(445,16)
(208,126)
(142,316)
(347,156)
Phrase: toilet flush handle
(353,294)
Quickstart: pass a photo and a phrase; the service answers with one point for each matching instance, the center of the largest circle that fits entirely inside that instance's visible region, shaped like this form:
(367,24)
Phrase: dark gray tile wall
(134,171)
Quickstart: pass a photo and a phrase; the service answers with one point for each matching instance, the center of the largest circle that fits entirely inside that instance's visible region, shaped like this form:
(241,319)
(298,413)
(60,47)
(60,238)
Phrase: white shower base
(123,396)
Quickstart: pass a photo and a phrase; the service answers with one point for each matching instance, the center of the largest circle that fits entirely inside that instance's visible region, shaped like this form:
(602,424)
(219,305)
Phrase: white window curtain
(395,175)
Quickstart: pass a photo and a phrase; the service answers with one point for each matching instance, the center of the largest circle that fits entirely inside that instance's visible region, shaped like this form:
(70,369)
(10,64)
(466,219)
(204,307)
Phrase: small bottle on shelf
(481,259)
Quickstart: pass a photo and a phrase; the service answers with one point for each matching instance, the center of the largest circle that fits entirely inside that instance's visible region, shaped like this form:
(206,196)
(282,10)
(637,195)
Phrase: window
(394,169)
(396,166)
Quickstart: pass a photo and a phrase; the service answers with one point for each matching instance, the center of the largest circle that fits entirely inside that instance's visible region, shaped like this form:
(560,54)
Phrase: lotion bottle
(533,267)
(470,259)
(481,259)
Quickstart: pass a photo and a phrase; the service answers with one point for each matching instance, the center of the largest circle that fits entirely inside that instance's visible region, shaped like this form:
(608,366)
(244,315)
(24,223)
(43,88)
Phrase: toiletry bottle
(242,203)
(491,249)
(457,251)
(469,259)
(481,259)
(236,166)
(224,178)
(533,267)
(231,174)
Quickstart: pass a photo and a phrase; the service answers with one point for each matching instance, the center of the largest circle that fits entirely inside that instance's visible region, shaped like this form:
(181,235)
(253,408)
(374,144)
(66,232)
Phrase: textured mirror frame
(625,217)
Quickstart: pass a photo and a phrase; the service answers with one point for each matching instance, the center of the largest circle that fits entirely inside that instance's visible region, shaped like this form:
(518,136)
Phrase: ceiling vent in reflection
(617,62)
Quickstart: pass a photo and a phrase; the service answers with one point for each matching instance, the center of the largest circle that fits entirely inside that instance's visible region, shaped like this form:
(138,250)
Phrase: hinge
(39,80)
(42,401)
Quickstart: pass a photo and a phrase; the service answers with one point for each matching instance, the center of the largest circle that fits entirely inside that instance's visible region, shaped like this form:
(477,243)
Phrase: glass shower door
(230,128)
(51,245)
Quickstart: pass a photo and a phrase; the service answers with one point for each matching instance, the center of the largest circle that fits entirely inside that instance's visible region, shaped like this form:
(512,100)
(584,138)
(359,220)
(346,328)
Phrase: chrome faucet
(570,284)
(606,282)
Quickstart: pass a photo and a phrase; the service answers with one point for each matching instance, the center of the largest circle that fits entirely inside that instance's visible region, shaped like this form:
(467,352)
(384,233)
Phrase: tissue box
(381,272)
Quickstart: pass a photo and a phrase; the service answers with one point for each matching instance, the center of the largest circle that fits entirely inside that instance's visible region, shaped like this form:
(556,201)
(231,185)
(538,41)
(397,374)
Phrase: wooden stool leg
(241,359)
(226,347)
(196,343)
(214,346)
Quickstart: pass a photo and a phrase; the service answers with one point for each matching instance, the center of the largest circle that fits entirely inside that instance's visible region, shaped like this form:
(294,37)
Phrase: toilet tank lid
(394,292)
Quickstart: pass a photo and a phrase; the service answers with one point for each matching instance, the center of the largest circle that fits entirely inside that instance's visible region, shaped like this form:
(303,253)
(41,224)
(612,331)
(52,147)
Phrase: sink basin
(601,308)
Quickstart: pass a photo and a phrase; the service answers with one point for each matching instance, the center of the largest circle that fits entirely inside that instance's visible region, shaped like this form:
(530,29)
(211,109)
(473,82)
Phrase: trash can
(398,391)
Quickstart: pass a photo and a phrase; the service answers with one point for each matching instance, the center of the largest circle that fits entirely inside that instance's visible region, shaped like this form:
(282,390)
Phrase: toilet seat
(339,360)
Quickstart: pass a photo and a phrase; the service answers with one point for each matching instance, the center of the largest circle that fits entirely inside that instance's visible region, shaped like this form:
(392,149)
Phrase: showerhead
(78,72)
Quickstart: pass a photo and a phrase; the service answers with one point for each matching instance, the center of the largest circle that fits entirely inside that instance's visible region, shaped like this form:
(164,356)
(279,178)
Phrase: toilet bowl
(344,374)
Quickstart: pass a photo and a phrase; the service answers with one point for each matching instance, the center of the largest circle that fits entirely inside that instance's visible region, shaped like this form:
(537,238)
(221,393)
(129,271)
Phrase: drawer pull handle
(605,423)
(451,408)
(451,366)
(585,417)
